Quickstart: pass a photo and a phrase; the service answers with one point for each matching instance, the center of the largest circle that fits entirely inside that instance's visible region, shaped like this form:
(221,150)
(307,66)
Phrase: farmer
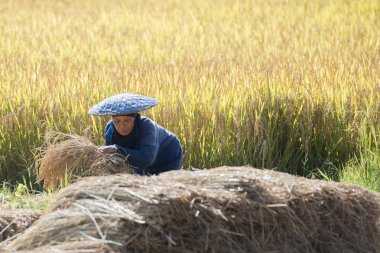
(149,148)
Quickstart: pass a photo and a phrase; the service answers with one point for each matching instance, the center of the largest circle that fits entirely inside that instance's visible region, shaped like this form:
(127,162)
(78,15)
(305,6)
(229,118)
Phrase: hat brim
(124,103)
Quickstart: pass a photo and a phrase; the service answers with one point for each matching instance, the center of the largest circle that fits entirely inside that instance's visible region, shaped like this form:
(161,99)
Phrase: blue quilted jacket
(150,148)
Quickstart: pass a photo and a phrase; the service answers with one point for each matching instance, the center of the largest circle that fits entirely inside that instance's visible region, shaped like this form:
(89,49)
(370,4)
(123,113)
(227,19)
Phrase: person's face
(123,124)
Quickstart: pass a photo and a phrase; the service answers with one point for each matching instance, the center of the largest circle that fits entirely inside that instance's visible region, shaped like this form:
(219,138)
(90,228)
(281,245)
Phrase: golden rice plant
(270,83)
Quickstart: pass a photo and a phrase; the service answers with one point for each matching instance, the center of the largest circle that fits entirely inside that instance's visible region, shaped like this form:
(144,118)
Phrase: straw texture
(227,209)
(63,158)
(14,222)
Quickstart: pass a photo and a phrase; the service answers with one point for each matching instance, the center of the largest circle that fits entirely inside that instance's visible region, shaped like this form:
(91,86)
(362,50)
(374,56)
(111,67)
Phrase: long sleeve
(150,148)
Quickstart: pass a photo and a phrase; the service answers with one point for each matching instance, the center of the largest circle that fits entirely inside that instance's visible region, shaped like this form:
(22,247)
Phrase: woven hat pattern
(124,103)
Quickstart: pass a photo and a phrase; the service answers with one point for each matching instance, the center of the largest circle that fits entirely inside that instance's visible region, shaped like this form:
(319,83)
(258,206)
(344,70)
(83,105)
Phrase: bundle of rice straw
(13,222)
(65,157)
(227,209)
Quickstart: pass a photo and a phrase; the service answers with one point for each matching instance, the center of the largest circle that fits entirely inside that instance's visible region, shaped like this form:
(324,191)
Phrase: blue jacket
(150,149)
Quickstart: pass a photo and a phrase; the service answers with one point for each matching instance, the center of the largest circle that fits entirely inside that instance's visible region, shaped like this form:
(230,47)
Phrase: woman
(149,148)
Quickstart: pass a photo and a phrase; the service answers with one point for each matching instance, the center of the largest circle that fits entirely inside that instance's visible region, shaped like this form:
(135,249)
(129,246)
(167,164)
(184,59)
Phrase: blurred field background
(287,85)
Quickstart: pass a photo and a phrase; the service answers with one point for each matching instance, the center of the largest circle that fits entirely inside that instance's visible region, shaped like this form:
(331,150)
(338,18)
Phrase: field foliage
(287,85)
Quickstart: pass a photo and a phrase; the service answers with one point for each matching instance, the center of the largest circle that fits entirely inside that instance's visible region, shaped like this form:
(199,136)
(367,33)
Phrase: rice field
(292,86)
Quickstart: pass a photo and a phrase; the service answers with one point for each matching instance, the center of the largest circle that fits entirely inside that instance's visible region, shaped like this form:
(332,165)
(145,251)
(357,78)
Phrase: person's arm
(107,148)
(149,145)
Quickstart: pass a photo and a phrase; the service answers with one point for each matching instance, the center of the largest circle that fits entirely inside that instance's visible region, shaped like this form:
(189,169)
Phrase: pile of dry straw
(227,209)
(13,222)
(65,158)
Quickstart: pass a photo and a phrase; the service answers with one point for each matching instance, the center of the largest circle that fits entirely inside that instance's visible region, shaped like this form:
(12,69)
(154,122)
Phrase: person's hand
(107,150)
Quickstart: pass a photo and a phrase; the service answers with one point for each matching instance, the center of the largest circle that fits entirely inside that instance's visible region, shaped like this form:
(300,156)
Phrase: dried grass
(64,158)
(13,222)
(228,209)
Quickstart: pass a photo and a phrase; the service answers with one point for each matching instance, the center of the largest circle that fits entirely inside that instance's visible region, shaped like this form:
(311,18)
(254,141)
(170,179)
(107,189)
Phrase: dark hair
(133,115)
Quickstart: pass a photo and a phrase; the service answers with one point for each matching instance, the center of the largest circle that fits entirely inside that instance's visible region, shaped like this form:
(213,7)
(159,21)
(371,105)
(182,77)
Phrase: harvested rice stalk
(13,222)
(64,158)
(227,209)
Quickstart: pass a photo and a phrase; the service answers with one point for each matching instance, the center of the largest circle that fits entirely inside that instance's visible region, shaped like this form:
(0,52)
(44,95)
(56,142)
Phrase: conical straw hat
(124,103)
